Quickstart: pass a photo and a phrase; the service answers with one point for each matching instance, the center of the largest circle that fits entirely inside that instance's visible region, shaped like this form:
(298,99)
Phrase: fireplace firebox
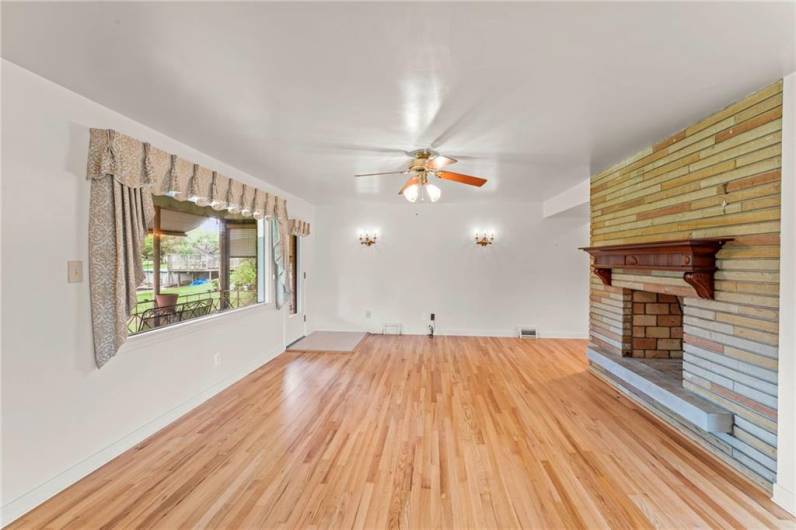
(657,326)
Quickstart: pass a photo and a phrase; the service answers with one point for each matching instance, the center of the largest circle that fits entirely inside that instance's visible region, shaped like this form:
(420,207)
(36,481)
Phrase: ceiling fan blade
(412,180)
(440,161)
(382,173)
(464,179)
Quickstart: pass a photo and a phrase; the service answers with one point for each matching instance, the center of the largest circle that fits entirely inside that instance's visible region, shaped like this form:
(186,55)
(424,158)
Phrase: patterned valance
(124,174)
(137,164)
(299,228)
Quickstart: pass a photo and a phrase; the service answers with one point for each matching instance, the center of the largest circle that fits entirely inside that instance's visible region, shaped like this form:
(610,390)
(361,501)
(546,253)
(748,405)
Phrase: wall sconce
(483,240)
(367,239)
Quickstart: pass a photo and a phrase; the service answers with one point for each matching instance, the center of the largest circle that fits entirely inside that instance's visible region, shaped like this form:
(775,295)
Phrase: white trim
(27,501)
(508,333)
(785,498)
(786,426)
(465,332)
(473,332)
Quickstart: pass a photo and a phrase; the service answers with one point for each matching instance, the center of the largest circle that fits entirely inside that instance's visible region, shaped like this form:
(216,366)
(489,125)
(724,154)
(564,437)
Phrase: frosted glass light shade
(433,192)
(411,193)
(422,193)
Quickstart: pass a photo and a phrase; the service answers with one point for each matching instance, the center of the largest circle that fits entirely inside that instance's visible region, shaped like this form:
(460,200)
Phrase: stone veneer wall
(717,178)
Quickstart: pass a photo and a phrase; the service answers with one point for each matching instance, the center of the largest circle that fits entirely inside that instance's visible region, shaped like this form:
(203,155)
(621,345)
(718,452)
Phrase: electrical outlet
(368,313)
(433,317)
(74,271)
(216,359)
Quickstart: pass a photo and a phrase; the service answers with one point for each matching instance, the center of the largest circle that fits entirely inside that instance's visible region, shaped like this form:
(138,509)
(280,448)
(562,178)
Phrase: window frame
(265,281)
(296,294)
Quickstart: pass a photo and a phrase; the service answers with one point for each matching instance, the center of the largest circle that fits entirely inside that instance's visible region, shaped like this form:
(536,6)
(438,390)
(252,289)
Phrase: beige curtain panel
(120,211)
(124,174)
(299,228)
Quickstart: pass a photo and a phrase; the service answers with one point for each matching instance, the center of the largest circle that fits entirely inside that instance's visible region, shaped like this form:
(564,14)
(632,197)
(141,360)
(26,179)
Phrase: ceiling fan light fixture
(411,193)
(422,193)
(425,164)
(432,192)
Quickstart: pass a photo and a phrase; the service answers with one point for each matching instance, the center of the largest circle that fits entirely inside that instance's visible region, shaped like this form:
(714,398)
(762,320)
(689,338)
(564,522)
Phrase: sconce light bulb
(367,239)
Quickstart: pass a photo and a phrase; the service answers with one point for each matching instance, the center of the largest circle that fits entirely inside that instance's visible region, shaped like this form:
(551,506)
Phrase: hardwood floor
(411,432)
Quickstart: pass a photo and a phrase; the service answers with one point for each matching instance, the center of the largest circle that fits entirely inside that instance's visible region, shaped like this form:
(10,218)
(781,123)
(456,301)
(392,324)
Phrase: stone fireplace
(641,315)
(684,307)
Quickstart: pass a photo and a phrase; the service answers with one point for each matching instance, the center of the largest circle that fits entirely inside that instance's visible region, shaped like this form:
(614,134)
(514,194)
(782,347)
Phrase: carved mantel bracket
(702,282)
(695,258)
(603,274)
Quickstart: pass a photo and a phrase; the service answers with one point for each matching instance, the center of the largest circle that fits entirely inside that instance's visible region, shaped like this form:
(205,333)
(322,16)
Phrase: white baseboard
(475,332)
(497,333)
(27,501)
(785,498)
(565,335)
(467,332)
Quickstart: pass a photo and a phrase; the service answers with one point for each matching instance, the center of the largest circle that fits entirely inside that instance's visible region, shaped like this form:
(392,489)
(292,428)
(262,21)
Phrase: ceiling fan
(426,163)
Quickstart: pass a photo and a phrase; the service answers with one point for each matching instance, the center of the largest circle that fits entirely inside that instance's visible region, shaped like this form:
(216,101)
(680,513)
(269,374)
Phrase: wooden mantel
(696,258)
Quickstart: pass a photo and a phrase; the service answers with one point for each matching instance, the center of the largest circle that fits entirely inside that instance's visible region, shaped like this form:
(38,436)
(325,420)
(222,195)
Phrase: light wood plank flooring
(412,432)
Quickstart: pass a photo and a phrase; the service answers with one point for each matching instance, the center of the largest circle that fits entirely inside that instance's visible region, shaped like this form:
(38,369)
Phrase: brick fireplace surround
(718,178)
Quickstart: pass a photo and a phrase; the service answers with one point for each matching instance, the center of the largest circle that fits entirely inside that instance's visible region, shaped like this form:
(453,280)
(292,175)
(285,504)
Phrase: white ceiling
(303,95)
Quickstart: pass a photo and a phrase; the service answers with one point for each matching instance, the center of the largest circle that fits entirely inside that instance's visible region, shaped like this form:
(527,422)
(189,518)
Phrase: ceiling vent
(527,333)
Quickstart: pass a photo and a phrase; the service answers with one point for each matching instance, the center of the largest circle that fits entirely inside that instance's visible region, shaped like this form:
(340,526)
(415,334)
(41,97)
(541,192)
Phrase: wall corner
(786,427)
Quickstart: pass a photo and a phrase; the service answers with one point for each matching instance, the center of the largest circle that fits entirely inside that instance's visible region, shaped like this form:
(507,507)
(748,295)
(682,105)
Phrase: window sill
(155,336)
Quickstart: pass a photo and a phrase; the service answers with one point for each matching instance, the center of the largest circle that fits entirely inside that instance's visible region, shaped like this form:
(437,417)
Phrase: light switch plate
(74,271)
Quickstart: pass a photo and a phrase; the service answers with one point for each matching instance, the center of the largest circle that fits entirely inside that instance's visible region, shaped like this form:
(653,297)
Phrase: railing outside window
(148,316)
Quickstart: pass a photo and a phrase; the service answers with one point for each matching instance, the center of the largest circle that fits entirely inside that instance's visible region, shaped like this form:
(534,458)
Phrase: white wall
(577,196)
(61,417)
(785,488)
(426,261)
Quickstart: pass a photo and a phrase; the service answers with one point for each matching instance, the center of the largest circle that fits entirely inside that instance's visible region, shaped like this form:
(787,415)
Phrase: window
(293,258)
(243,264)
(202,262)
